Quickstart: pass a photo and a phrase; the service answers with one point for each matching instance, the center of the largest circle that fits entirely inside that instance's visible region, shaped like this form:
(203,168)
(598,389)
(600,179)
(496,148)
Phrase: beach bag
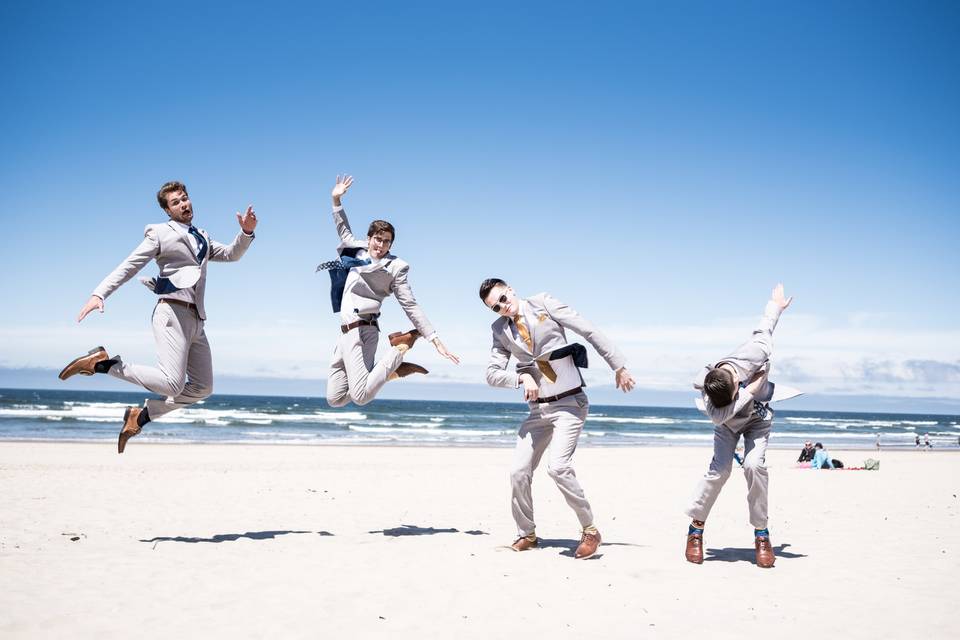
(871,465)
(837,464)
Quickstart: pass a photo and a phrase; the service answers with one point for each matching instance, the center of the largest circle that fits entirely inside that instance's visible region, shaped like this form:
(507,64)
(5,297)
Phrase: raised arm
(235,250)
(752,354)
(339,215)
(572,320)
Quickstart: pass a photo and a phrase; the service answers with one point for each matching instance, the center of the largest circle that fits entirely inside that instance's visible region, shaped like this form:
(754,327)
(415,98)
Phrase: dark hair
(818,446)
(719,387)
(381,225)
(169,187)
(487,286)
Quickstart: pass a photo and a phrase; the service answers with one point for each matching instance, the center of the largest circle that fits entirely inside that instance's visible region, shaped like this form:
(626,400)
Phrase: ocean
(28,414)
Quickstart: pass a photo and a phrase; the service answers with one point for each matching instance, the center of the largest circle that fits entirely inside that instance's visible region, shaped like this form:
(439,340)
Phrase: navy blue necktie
(201,243)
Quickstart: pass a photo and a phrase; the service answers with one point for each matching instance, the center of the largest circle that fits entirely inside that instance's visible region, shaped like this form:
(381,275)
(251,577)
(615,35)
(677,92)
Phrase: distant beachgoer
(926,441)
(821,459)
(532,330)
(736,395)
(806,454)
(916,440)
(878,442)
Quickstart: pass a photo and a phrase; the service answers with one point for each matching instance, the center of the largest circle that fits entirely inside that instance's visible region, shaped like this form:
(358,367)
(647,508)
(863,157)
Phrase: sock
(532,536)
(590,529)
(104,365)
(694,529)
(143,418)
(762,533)
(402,348)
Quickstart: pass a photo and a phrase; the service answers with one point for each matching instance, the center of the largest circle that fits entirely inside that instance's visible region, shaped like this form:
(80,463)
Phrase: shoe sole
(121,445)
(76,360)
(396,334)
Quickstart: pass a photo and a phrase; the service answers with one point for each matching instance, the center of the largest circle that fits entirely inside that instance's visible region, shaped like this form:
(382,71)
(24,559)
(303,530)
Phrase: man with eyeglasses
(362,278)
(548,367)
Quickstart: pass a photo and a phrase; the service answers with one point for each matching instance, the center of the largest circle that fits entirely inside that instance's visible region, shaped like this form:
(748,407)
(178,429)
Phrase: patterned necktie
(524,332)
(201,243)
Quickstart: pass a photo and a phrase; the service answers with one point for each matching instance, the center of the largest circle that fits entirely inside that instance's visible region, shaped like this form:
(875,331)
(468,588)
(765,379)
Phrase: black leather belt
(346,328)
(182,303)
(560,396)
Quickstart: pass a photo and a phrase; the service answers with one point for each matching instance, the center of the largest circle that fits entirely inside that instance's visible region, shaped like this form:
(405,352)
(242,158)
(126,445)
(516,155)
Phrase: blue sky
(658,167)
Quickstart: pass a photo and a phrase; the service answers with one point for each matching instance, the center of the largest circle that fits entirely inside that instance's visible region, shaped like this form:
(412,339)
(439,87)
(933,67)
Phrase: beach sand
(394,542)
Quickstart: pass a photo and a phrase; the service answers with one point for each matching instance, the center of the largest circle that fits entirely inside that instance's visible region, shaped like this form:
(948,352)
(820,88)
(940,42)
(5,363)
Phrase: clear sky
(659,166)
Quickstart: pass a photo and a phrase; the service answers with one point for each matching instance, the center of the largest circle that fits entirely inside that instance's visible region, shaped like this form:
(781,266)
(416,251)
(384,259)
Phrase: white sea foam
(643,420)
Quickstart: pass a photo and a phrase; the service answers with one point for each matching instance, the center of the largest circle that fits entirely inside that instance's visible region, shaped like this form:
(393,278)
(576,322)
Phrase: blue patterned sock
(762,533)
(692,530)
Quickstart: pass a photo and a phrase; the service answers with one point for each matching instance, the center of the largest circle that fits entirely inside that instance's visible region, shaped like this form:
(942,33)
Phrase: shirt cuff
(249,235)
(338,208)
(431,337)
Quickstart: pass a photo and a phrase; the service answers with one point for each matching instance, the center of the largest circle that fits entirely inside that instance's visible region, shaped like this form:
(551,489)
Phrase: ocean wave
(113,411)
(419,432)
(643,420)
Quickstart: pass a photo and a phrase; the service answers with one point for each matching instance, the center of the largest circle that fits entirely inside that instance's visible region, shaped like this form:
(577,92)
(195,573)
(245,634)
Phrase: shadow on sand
(732,554)
(232,537)
(414,530)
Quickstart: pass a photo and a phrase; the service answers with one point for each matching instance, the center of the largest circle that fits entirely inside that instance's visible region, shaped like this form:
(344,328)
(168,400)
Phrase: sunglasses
(496,308)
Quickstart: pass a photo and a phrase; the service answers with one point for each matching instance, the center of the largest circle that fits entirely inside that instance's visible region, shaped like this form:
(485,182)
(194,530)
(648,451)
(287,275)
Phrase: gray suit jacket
(747,359)
(377,281)
(168,244)
(547,334)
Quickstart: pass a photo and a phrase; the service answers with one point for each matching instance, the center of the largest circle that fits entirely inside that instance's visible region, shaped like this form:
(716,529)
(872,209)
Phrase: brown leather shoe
(588,545)
(407,338)
(130,427)
(764,549)
(84,364)
(524,543)
(695,548)
(405,369)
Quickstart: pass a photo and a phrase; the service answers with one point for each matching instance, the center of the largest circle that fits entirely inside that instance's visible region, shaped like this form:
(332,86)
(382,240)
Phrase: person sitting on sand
(806,455)
(821,459)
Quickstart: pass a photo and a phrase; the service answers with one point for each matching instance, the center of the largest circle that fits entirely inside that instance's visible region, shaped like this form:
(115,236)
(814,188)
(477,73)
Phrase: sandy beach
(300,541)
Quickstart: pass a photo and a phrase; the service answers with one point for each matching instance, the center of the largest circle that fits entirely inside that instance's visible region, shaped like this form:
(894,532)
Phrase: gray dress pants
(553,427)
(353,374)
(184,371)
(755,435)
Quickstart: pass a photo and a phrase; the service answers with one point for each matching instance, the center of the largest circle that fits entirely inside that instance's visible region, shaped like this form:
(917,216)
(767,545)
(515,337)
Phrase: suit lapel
(184,237)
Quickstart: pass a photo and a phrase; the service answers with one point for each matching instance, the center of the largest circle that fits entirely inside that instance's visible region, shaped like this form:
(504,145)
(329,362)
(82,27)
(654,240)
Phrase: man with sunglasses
(370,273)
(548,368)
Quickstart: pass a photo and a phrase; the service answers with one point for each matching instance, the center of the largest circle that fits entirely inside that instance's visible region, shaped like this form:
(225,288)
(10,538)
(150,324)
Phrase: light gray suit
(554,425)
(184,374)
(748,415)
(353,375)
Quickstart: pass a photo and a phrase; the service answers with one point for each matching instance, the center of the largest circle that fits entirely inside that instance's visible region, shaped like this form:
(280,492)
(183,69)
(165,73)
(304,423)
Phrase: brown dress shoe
(130,427)
(405,369)
(588,545)
(524,543)
(84,364)
(695,548)
(764,549)
(407,338)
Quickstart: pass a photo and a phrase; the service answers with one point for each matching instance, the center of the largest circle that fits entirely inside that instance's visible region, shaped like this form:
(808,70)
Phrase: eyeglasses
(502,300)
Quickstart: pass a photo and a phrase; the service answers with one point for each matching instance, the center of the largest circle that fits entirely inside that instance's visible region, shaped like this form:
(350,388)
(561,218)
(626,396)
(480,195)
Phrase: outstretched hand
(340,188)
(248,221)
(625,381)
(442,350)
(95,302)
(778,297)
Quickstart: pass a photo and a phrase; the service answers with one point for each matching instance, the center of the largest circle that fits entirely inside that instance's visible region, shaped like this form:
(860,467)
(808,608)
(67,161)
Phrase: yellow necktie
(524,332)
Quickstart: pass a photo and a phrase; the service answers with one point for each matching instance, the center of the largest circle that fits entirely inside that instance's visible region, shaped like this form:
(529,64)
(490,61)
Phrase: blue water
(95,416)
